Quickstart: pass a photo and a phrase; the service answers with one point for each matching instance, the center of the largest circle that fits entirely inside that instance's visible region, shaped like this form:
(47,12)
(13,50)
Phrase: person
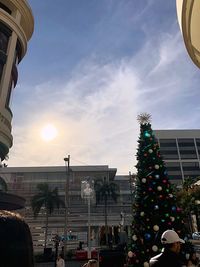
(170,254)
(60,261)
(91,263)
(16,247)
(193,261)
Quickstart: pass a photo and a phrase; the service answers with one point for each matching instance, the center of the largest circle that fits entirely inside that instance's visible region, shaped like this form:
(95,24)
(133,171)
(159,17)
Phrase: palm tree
(106,190)
(47,198)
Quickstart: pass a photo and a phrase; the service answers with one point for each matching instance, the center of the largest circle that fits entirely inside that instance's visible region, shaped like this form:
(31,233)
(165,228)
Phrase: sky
(91,67)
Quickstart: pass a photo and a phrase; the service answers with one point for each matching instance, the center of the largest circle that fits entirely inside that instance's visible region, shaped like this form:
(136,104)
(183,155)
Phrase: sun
(49,132)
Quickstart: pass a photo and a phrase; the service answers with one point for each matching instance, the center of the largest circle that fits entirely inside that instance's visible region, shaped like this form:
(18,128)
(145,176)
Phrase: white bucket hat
(170,236)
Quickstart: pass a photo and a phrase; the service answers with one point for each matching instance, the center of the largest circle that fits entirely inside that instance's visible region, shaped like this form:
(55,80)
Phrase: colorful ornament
(144,180)
(156,166)
(147,236)
(146,134)
(155,248)
(159,188)
(156,228)
(134,237)
(130,254)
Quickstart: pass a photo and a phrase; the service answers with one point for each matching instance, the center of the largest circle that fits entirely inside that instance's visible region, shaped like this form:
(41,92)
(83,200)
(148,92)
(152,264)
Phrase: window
(4,39)
(198,145)
(168,148)
(5,8)
(191,169)
(187,148)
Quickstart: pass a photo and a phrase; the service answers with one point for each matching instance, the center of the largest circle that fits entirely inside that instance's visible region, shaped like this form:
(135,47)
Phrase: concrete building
(189,21)
(16,28)
(23,181)
(181,152)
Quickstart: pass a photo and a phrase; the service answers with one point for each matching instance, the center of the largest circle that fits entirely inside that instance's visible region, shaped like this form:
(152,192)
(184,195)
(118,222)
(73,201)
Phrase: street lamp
(87,192)
(67,162)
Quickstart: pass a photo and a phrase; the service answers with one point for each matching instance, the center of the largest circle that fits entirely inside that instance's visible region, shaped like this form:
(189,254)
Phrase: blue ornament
(147,236)
(174,208)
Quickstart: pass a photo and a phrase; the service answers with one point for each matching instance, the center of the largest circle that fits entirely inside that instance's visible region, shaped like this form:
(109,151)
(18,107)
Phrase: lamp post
(87,192)
(67,162)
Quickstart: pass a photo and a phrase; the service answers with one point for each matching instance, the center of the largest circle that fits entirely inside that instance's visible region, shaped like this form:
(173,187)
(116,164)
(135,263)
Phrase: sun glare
(49,132)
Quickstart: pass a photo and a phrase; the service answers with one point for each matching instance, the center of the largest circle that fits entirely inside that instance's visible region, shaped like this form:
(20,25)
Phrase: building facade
(23,181)
(189,19)
(16,28)
(181,152)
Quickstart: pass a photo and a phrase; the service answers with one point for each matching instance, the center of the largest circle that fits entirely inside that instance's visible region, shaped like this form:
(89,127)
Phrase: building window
(168,148)
(4,39)
(5,8)
(198,145)
(168,143)
(169,154)
(187,148)
(191,169)
(3,42)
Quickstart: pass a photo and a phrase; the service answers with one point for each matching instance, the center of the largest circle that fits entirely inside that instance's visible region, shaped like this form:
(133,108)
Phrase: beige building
(16,28)
(189,21)
(23,181)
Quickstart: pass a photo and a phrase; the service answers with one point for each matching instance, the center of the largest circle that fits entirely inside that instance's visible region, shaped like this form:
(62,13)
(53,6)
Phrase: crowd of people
(16,247)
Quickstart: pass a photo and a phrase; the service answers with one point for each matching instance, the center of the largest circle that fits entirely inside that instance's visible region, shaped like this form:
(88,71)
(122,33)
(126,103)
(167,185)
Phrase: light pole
(67,162)
(87,192)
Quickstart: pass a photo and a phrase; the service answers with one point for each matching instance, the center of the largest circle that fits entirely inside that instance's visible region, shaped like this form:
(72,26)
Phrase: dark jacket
(166,259)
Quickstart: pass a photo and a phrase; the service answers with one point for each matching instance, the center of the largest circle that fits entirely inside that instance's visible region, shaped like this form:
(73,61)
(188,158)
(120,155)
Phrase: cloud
(95,110)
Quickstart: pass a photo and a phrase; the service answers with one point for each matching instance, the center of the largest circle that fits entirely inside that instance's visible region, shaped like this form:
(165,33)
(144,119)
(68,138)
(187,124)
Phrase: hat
(170,236)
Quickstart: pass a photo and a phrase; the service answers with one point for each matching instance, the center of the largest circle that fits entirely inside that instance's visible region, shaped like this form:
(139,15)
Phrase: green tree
(154,207)
(46,198)
(188,199)
(104,191)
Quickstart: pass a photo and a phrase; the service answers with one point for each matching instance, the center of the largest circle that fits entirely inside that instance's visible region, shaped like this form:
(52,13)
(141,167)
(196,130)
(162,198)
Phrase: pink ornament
(130,254)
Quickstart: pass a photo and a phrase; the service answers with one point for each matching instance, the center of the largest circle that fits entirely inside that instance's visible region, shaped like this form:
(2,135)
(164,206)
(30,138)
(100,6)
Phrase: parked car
(196,236)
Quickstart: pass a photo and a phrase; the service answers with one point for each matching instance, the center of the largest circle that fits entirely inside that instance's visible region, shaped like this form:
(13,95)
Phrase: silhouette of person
(16,247)
(169,256)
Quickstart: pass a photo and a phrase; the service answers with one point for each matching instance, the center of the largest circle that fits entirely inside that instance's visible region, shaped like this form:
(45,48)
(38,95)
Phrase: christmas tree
(154,208)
